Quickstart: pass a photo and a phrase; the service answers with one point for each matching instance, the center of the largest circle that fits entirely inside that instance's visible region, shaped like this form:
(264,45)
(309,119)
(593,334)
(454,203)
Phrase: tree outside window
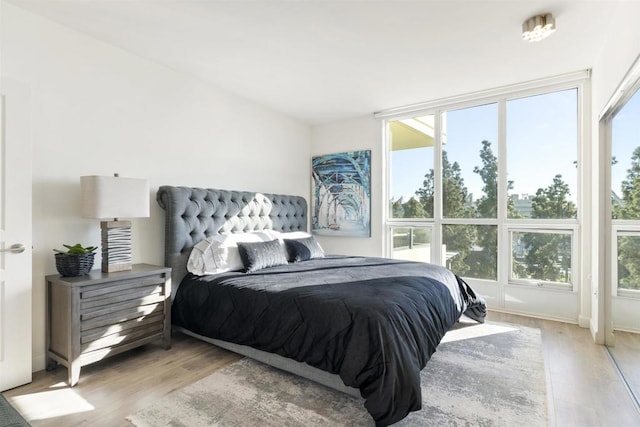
(470,191)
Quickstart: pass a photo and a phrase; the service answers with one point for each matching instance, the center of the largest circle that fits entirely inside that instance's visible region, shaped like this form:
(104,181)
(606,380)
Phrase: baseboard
(630,330)
(38,363)
(596,335)
(584,322)
(534,316)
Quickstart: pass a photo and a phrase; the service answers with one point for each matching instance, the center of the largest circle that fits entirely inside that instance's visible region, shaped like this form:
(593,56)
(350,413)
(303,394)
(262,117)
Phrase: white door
(15,236)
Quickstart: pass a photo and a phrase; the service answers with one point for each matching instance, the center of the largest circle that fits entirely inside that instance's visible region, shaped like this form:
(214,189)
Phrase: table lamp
(111,198)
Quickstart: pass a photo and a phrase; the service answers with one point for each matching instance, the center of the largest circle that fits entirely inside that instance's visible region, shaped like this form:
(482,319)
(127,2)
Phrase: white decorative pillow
(272,234)
(294,235)
(219,253)
(282,236)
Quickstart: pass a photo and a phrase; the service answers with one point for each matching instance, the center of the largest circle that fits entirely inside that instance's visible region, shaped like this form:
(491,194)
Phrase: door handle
(16,248)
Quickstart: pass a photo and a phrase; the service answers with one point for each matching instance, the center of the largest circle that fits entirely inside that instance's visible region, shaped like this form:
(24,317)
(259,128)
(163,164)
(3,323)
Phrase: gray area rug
(9,416)
(482,375)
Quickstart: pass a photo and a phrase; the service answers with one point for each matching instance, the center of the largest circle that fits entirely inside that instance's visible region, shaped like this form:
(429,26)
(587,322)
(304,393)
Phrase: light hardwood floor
(583,387)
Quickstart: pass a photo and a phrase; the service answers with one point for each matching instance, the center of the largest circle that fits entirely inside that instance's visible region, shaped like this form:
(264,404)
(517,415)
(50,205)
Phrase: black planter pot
(72,265)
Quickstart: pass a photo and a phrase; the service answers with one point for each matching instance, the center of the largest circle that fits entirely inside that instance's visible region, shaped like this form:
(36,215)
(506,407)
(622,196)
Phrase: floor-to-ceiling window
(542,190)
(488,185)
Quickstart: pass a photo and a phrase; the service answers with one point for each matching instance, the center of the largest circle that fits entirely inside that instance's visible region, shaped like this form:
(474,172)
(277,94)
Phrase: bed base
(289,365)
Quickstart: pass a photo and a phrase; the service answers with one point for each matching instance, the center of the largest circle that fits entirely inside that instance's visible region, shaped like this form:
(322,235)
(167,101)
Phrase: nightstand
(101,314)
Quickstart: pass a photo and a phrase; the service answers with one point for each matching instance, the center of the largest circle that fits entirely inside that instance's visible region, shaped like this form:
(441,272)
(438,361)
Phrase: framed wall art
(341,194)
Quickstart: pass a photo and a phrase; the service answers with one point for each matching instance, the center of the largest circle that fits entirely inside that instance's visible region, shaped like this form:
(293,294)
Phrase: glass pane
(412,243)
(541,256)
(470,162)
(542,154)
(625,161)
(629,262)
(411,167)
(471,250)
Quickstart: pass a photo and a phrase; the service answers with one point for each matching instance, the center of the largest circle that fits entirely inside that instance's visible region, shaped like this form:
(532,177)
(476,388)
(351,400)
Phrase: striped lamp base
(116,246)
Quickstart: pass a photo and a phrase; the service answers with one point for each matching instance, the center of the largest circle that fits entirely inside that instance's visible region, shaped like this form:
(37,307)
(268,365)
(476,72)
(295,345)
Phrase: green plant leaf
(76,249)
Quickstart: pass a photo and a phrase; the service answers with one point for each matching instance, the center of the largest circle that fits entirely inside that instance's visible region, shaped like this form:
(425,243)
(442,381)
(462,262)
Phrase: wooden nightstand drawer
(125,290)
(103,317)
(122,328)
(95,316)
(114,309)
(120,337)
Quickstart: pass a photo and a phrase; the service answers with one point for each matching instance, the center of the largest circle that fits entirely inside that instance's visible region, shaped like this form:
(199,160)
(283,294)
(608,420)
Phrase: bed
(364,326)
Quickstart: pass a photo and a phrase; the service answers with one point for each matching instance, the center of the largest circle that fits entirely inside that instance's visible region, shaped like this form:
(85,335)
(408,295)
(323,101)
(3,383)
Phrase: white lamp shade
(105,197)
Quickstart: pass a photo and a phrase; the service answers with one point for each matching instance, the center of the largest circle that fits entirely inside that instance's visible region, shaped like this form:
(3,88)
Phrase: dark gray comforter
(373,321)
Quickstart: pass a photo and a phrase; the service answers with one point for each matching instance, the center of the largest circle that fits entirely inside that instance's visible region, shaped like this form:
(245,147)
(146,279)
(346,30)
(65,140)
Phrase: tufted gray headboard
(193,214)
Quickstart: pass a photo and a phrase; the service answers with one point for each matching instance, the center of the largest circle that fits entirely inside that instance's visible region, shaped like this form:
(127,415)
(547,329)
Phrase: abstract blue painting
(341,194)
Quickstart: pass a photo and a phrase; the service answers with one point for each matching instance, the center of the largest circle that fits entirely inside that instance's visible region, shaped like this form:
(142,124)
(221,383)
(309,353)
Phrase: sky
(625,138)
(541,142)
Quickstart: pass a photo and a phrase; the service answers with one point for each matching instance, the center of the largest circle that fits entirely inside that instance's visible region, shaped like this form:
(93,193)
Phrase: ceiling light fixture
(538,27)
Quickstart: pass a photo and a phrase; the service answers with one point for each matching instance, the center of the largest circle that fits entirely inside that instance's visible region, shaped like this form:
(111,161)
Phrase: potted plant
(76,260)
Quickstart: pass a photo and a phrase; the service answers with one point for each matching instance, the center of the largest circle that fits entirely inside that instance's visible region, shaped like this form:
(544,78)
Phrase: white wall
(98,110)
(618,53)
(363,133)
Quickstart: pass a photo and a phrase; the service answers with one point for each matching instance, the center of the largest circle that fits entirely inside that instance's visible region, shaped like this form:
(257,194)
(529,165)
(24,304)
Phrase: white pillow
(219,253)
(281,235)
(272,234)
(290,235)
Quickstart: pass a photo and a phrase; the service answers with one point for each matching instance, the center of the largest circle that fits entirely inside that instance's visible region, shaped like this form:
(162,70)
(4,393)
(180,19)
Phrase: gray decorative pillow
(258,255)
(303,249)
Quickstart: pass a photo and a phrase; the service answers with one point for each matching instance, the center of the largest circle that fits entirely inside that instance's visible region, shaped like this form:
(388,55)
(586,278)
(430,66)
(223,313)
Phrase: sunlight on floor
(51,404)
(475,331)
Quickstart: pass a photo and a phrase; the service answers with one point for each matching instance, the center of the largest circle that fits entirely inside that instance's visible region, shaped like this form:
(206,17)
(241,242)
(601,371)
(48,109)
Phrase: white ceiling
(323,61)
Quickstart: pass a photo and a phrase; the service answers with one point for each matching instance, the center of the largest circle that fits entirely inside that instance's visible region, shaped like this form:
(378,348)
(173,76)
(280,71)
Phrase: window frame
(505,226)
(389,231)
(621,228)
(534,228)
